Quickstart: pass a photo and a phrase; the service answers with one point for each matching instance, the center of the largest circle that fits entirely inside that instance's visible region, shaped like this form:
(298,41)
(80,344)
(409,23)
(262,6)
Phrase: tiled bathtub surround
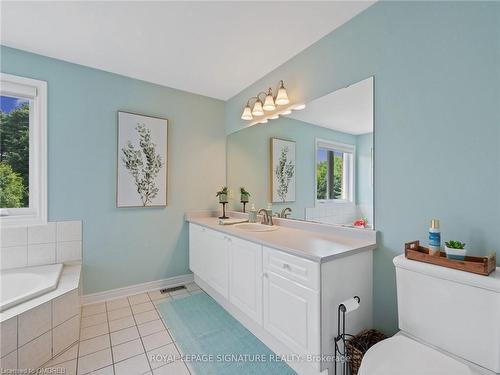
(32,338)
(56,242)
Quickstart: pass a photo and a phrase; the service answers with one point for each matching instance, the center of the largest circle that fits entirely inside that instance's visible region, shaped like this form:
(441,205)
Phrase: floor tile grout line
(109,337)
(142,342)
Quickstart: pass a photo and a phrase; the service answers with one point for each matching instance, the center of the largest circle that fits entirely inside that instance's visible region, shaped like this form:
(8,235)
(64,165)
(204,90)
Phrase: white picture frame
(141,178)
(283,170)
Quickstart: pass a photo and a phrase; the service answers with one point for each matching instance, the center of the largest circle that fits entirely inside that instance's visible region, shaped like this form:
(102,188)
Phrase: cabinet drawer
(297,269)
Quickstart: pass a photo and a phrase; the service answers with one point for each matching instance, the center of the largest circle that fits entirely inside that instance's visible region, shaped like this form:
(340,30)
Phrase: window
(334,171)
(23,184)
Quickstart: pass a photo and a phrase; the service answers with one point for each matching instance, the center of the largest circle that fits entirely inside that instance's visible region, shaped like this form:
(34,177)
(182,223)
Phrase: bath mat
(214,342)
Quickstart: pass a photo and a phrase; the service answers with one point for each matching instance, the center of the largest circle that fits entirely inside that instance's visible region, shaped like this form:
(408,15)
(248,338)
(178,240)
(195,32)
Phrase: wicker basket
(357,346)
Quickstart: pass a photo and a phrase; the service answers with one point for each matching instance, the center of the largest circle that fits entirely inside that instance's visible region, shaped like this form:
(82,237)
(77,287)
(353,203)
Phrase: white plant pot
(456,254)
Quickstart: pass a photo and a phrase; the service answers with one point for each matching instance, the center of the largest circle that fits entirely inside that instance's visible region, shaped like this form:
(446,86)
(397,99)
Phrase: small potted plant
(222,194)
(244,195)
(455,250)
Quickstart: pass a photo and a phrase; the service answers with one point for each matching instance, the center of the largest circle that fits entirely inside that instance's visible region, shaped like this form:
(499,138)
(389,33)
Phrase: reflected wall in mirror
(333,172)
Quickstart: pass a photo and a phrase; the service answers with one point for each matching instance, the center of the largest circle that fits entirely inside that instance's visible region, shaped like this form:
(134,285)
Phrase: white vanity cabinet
(289,302)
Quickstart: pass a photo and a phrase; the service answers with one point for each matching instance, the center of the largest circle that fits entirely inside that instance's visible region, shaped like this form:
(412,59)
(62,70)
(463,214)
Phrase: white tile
(127,350)
(68,355)
(66,368)
(145,317)
(13,257)
(119,313)
(96,308)
(36,352)
(65,307)
(156,294)
(151,327)
(94,331)
(44,253)
(94,345)
(138,298)
(173,368)
(105,371)
(65,334)
(156,340)
(93,320)
(142,307)
(117,304)
(13,236)
(163,355)
(34,322)
(8,336)
(9,361)
(132,366)
(94,361)
(69,231)
(42,233)
(118,324)
(127,334)
(68,251)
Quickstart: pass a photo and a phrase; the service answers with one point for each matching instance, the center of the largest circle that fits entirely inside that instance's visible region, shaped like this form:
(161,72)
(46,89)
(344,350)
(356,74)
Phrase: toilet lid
(400,355)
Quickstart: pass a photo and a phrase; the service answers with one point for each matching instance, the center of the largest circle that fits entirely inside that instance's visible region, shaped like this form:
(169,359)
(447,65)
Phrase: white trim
(338,146)
(136,289)
(36,91)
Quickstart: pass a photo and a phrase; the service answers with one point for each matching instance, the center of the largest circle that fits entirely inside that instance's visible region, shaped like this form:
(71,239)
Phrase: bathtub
(22,284)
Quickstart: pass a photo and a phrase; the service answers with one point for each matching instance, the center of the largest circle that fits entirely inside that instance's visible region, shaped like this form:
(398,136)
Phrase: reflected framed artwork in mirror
(321,160)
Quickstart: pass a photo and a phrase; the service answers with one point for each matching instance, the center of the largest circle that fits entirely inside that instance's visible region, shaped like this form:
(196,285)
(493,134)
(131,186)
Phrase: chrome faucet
(266,219)
(285,212)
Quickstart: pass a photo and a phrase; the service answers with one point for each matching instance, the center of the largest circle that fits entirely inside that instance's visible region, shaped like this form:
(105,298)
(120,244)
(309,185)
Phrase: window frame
(36,91)
(337,146)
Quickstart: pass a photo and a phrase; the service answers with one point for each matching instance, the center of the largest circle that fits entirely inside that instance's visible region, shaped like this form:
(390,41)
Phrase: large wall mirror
(318,162)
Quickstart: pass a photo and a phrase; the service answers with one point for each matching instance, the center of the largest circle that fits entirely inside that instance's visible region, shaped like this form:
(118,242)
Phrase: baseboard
(135,289)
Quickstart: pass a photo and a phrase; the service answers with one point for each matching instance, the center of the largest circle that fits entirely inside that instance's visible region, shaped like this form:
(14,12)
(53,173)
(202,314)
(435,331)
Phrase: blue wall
(123,246)
(437,116)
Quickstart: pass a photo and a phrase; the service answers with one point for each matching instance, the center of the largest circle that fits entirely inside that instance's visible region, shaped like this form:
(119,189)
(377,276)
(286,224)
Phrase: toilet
(449,323)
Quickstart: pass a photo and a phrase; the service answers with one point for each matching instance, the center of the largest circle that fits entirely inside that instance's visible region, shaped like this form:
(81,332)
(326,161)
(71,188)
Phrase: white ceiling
(349,110)
(210,48)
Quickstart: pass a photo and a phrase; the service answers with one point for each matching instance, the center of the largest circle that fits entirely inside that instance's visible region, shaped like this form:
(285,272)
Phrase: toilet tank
(453,310)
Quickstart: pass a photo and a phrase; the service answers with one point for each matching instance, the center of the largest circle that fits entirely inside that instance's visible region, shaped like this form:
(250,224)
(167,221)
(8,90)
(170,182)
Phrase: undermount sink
(256,227)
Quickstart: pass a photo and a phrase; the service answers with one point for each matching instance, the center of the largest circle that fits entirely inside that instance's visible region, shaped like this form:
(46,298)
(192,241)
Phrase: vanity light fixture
(267,105)
(283,112)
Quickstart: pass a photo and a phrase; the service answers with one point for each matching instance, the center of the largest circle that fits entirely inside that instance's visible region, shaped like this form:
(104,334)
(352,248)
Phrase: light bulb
(247,113)
(257,109)
(269,102)
(282,96)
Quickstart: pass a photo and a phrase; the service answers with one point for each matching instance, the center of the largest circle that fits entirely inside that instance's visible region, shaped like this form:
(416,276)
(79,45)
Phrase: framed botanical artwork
(142,161)
(283,171)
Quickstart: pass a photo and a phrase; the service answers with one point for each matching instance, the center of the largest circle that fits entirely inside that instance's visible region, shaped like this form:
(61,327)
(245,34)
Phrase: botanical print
(283,170)
(142,161)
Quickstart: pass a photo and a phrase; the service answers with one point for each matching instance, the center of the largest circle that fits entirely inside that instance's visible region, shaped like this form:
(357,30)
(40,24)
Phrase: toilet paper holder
(340,354)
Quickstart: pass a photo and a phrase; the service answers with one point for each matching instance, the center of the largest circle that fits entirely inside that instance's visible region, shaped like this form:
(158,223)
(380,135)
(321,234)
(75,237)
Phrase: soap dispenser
(252,214)
(434,238)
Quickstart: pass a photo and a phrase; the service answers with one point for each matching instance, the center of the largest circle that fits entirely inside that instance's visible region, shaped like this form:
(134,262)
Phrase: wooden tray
(480,265)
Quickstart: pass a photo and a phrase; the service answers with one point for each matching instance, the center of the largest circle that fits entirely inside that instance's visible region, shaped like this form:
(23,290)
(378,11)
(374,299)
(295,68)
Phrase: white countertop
(69,280)
(317,242)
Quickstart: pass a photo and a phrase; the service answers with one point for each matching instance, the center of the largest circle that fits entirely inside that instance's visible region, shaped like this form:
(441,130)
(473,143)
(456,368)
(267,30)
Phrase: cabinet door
(196,253)
(291,314)
(245,280)
(216,262)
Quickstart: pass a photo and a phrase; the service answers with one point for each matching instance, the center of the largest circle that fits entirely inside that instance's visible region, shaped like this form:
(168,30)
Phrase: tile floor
(125,336)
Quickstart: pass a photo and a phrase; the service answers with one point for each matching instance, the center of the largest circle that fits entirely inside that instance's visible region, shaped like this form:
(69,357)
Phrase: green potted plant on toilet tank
(455,250)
